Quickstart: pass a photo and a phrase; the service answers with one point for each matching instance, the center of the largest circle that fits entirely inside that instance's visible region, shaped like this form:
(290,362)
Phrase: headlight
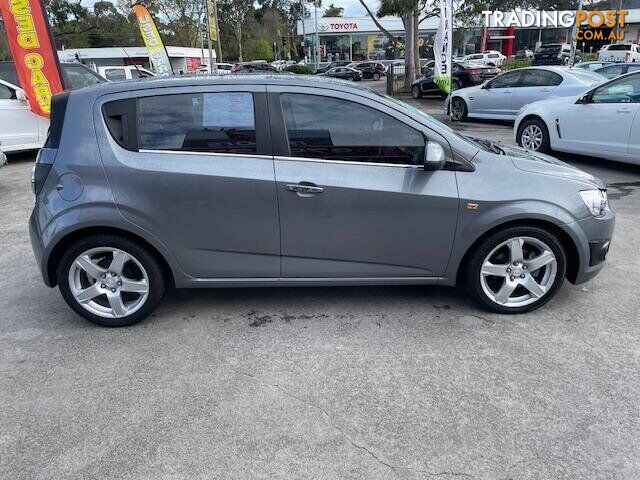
(596,201)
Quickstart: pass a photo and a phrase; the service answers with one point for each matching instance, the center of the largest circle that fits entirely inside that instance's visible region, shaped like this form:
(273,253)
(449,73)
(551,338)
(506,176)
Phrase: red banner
(33,52)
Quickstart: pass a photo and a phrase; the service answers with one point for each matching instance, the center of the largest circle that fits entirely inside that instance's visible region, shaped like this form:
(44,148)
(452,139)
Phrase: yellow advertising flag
(158,56)
(212,12)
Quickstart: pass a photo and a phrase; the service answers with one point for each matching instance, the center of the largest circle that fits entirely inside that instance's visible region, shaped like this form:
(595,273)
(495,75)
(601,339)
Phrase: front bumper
(592,237)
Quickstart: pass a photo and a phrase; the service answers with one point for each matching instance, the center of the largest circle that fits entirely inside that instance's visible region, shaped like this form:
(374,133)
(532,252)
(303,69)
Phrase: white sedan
(602,122)
(501,97)
(20,128)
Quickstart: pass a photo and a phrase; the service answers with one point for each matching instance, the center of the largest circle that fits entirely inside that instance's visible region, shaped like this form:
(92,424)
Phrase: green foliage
(257,49)
(333,11)
(299,69)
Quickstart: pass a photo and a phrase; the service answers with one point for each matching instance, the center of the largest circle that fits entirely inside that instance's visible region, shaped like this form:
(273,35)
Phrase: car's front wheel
(533,134)
(458,109)
(110,280)
(516,270)
(415,92)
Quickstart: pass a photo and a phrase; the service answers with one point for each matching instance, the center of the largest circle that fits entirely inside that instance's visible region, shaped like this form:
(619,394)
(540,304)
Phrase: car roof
(615,64)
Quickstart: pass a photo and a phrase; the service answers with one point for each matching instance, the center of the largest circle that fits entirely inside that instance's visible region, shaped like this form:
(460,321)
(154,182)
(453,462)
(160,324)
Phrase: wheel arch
(532,116)
(568,243)
(75,235)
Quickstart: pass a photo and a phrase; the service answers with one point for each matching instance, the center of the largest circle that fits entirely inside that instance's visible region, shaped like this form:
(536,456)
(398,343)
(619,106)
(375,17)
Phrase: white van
(620,52)
(124,72)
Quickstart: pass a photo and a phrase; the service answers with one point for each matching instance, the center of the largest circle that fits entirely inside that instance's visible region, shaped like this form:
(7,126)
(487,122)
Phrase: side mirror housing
(584,99)
(434,156)
(21,96)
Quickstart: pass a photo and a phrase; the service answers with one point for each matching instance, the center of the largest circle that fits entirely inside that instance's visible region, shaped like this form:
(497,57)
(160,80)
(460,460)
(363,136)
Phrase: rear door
(354,198)
(535,84)
(202,179)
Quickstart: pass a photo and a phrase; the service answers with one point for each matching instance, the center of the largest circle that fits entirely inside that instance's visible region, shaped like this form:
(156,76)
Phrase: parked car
(75,75)
(124,72)
(616,69)
(554,54)
(221,68)
(620,52)
(463,75)
(20,128)
(286,180)
(490,58)
(591,66)
(346,73)
(502,97)
(328,66)
(257,66)
(373,70)
(524,54)
(3,159)
(602,122)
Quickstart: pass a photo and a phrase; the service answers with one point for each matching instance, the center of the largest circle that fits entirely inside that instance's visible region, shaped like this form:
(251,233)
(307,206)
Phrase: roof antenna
(135,66)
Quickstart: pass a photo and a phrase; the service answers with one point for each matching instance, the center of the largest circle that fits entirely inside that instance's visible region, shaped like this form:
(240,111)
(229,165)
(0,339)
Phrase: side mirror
(434,157)
(584,99)
(21,96)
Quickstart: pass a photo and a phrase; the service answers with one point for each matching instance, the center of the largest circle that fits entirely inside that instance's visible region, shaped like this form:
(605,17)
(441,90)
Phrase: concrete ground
(323,383)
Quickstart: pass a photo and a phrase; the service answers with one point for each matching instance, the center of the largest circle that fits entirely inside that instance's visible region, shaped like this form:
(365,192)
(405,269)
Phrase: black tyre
(111,280)
(516,270)
(376,76)
(456,84)
(459,109)
(533,134)
(415,92)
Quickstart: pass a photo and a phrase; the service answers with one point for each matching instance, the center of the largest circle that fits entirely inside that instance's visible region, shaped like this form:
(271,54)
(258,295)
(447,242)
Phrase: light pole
(574,34)
(317,57)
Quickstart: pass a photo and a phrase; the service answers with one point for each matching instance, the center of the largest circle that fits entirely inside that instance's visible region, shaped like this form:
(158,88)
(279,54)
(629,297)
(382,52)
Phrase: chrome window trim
(281,158)
(208,154)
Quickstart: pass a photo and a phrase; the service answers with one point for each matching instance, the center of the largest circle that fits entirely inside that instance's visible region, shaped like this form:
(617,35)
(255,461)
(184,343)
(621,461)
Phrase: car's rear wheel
(534,135)
(456,84)
(110,280)
(376,76)
(516,270)
(415,92)
(458,109)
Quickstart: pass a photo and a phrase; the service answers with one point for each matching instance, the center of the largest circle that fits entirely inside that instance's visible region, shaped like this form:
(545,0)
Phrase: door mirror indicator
(434,157)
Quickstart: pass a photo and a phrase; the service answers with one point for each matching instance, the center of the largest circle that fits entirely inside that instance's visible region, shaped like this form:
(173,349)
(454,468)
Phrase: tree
(235,13)
(333,11)
(258,49)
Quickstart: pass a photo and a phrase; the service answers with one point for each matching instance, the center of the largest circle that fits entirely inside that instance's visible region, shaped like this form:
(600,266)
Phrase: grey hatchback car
(266,181)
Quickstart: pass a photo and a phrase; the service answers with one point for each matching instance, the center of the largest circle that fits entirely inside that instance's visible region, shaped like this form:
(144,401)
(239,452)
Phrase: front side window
(506,80)
(336,129)
(625,90)
(222,122)
(6,93)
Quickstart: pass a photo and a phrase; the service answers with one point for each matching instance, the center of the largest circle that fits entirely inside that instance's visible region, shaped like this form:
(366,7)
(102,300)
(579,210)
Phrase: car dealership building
(358,38)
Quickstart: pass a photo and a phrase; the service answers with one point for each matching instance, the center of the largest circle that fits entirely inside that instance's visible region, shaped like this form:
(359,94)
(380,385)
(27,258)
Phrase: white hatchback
(603,122)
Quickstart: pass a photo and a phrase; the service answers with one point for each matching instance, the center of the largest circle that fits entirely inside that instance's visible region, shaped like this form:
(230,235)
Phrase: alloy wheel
(518,272)
(109,282)
(457,109)
(532,137)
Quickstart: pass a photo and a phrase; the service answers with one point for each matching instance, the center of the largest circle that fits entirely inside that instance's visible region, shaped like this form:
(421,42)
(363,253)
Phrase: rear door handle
(302,188)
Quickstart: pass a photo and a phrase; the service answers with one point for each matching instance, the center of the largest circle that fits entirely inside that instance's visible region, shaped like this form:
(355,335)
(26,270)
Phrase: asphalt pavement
(323,383)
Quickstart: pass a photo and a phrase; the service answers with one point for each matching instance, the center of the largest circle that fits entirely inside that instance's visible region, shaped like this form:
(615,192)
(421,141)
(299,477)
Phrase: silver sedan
(502,97)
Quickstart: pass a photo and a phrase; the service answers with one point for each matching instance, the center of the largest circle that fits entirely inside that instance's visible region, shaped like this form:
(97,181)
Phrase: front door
(19,124)
(611,111)
(203,176)
(354,198)
(495,98)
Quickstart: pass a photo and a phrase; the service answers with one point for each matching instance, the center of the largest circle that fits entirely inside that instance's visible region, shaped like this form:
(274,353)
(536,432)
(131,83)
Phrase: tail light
(44,162)
(236,68)
(474,71)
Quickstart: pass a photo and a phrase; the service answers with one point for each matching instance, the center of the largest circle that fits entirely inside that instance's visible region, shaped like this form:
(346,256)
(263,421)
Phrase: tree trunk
(409,49)
(239,37)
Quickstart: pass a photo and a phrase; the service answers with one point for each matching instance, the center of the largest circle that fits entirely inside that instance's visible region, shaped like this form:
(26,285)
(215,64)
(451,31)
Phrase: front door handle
(624,110)
(302,188)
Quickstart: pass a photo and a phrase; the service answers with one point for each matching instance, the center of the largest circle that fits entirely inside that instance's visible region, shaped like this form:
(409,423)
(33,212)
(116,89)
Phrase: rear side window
(115,74)
(541,78)
(78,76)
(335,129)
(222,122)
